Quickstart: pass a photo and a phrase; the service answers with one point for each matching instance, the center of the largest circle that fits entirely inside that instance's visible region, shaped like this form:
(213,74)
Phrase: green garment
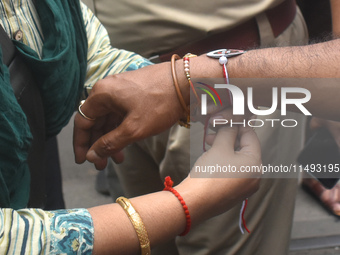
(60,76)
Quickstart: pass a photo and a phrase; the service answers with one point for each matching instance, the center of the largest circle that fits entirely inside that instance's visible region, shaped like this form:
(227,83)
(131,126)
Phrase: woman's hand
(220,191)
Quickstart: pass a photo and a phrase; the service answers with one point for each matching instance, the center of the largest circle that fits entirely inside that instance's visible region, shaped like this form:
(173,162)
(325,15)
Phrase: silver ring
(81,113)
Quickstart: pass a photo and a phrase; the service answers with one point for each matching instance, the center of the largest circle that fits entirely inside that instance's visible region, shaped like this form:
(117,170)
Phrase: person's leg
(107,182)
(139,173)
(114,186)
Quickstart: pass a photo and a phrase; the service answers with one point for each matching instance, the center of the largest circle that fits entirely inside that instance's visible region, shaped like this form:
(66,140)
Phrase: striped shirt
(34,231)
(102,58)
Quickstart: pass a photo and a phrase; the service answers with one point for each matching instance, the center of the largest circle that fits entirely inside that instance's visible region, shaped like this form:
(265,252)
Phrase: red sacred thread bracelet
(243,210)
(168,186)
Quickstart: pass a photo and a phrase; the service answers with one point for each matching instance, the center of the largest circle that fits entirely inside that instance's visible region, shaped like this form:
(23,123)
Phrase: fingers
(249,142)
(93,108)
(85,134)
(225,139)
(101,119)
(111,144)
(81,137)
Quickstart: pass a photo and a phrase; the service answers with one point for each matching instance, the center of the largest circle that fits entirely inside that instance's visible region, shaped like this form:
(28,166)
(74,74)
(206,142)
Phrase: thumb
(225,139)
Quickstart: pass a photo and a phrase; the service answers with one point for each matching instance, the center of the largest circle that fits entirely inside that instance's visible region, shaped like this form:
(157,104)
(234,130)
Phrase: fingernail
(92,156)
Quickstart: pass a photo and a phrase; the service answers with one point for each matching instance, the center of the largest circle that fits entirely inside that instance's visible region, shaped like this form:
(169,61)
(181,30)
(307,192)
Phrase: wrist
(202,203)
(200,67)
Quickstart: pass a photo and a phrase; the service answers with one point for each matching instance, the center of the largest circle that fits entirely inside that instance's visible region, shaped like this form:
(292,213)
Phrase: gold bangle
(137,223)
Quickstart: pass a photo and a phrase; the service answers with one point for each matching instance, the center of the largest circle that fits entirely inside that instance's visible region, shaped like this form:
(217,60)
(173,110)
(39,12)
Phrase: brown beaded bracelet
(186,63)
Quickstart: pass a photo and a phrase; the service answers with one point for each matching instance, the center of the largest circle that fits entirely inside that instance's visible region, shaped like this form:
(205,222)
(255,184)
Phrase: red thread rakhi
(222,55)
(168,186)
(242,219)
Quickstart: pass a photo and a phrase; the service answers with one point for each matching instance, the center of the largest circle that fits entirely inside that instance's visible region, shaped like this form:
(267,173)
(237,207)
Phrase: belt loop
(265,30)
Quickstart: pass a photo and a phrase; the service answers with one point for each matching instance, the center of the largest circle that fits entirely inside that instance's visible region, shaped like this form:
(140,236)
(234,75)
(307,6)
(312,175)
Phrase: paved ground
(315,231)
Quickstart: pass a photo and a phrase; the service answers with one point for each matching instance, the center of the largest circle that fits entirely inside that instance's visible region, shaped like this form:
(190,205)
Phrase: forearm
(129,96)
(312,61)
(107,229)
(162,216)
(306,63)
(162,213)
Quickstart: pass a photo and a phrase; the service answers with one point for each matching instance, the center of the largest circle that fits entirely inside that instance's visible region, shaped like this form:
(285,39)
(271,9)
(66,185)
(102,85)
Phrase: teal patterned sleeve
(34,231)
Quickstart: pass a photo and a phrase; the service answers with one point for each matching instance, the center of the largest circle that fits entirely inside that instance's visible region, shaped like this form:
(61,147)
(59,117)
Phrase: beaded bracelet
(137,223)
(184,123)
(186,63)
(168,186)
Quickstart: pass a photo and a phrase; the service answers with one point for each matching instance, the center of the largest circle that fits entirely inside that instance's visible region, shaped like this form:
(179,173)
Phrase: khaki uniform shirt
(149,27)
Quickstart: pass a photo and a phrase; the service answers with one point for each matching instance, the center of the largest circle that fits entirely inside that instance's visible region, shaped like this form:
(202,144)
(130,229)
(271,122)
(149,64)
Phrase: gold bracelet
(137,223)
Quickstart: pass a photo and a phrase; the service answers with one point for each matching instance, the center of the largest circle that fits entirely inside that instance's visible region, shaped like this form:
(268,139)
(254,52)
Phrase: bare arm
(309,62)
(107,229)
(150,90)
(312,61)
(163,214)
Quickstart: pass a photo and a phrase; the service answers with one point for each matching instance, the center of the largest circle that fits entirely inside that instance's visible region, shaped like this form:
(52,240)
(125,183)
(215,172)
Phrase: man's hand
(126,107)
